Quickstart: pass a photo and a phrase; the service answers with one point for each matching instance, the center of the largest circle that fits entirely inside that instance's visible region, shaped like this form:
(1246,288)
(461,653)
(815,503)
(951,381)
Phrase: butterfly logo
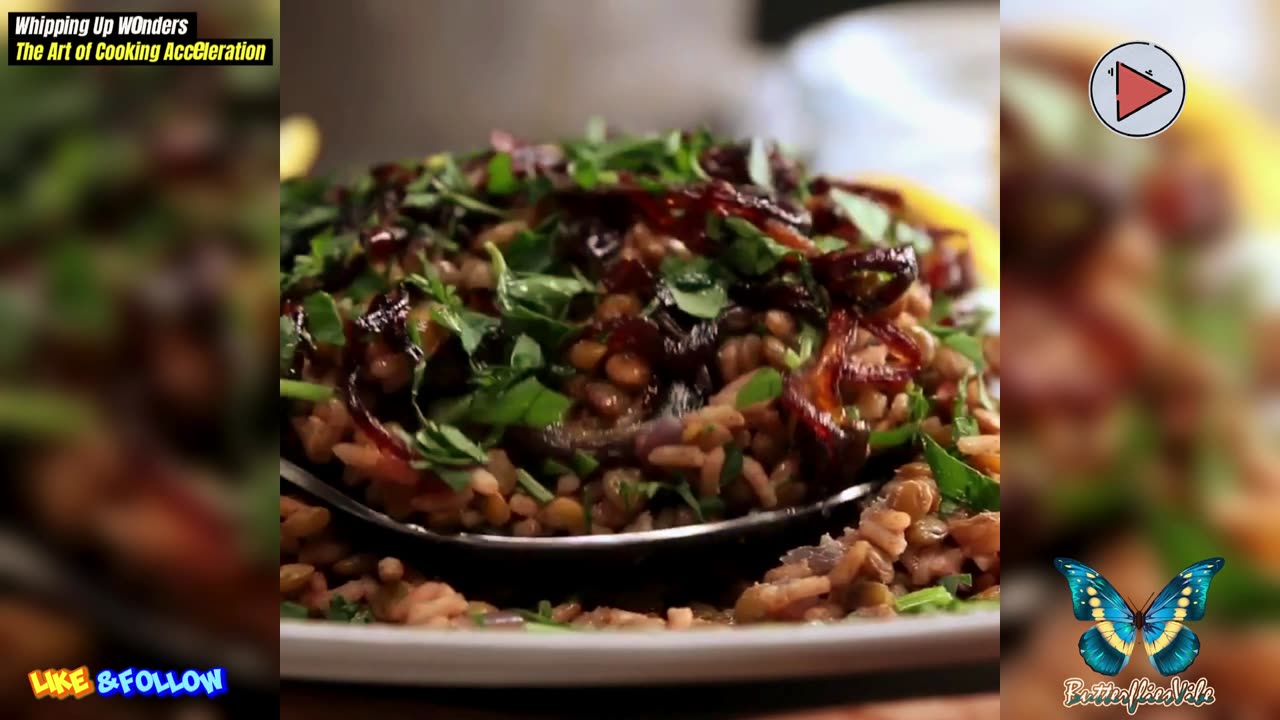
(1171,646)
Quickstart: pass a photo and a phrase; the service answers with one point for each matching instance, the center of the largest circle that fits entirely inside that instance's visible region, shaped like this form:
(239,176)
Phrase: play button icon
(1137,89)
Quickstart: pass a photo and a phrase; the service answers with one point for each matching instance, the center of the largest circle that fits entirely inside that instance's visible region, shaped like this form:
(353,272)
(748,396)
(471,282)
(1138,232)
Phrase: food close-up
(624,334)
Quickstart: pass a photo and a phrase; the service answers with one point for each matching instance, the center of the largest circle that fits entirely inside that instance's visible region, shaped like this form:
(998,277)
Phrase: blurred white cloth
(911,90)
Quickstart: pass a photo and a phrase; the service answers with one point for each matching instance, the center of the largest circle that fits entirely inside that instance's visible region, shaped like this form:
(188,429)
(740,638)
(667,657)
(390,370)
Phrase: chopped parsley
(584,463)
(752,252)
(326,251)
(957,481)
(764,385)
(502,181)
(732,467)
(343,610)
(686,494)
(533,487)
(695,287)
(469,326)
(289,340)
(299,390)
(918,406)
(292,610)
(954,582)
(870,217)
(447,451)
(758,164)
(542,618)
(931,598)
(324,322)
(809,339)
(533,303)
(830,243)
(528,403)
(962,422)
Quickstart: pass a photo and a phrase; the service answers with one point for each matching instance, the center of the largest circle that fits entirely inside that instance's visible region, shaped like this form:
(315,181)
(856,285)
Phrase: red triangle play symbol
(1135,91)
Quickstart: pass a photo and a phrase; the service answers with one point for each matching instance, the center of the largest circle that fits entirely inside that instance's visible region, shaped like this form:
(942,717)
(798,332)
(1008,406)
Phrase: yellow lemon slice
(927,207)
(299,146)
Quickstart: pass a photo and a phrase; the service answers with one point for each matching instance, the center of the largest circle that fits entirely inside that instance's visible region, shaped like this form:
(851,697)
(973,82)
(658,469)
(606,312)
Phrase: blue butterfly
(1171,646)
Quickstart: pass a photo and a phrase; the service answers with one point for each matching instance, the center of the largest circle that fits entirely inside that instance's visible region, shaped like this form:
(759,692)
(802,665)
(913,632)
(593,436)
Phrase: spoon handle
(326,492)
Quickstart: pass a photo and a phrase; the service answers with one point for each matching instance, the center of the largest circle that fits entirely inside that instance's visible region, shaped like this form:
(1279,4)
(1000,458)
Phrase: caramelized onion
(855,277)
(812,396)
(679,352)
(682,212)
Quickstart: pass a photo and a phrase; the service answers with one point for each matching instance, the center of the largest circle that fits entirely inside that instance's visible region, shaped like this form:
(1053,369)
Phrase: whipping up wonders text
(68,26)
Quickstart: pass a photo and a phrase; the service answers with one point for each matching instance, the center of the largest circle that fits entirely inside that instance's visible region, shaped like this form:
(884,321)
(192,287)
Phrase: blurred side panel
(138,226)
(1141,314)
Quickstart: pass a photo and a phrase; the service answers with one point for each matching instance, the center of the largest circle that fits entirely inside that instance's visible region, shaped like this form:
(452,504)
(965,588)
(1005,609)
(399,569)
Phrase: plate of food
(633,409)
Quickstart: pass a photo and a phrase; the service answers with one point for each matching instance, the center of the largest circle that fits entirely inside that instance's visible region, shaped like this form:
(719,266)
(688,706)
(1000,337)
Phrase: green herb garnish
(542,618)
(343,610)
(870,217)
(764,385)
(809,339)
(323,320)
(918,406)
(528,403)
(533,487)
(532,251)
(959,482)
(631,491)
(686,494)
(326,250)
(752,252)
(584,463)
(292,610)
(553,468)
(470,326)
(758,164)
(694,287)
(300,390)
(502,181)
(967,345)
(933,598)
(445,450)
(953,582)
(534,303)
(288,342)
(711,506)
(962,422)
(732,467)
(830,243)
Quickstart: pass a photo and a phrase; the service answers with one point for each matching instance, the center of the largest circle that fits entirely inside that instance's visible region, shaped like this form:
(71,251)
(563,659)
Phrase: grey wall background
(388,77)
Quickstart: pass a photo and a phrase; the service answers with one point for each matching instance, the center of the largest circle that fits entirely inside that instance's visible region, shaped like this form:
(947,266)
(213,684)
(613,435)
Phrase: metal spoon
(756,526)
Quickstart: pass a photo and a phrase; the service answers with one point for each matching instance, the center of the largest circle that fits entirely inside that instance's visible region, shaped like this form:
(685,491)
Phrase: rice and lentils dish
(619,334)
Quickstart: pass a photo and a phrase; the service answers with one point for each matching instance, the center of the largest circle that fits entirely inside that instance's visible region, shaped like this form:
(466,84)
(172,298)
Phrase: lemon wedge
(927,207)
(299,145)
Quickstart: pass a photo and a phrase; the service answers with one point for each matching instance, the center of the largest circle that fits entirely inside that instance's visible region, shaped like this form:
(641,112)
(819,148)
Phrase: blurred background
(900,88)
(1141,303)
(137,319)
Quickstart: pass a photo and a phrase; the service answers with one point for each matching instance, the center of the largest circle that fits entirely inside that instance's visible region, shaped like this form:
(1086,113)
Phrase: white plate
(389,654)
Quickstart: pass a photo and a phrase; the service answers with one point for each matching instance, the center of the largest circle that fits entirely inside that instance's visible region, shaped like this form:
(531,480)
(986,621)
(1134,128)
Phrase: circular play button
(1137,89)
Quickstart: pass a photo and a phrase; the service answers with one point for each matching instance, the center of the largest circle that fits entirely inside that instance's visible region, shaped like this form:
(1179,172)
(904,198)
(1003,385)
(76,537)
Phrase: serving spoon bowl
(811,519)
